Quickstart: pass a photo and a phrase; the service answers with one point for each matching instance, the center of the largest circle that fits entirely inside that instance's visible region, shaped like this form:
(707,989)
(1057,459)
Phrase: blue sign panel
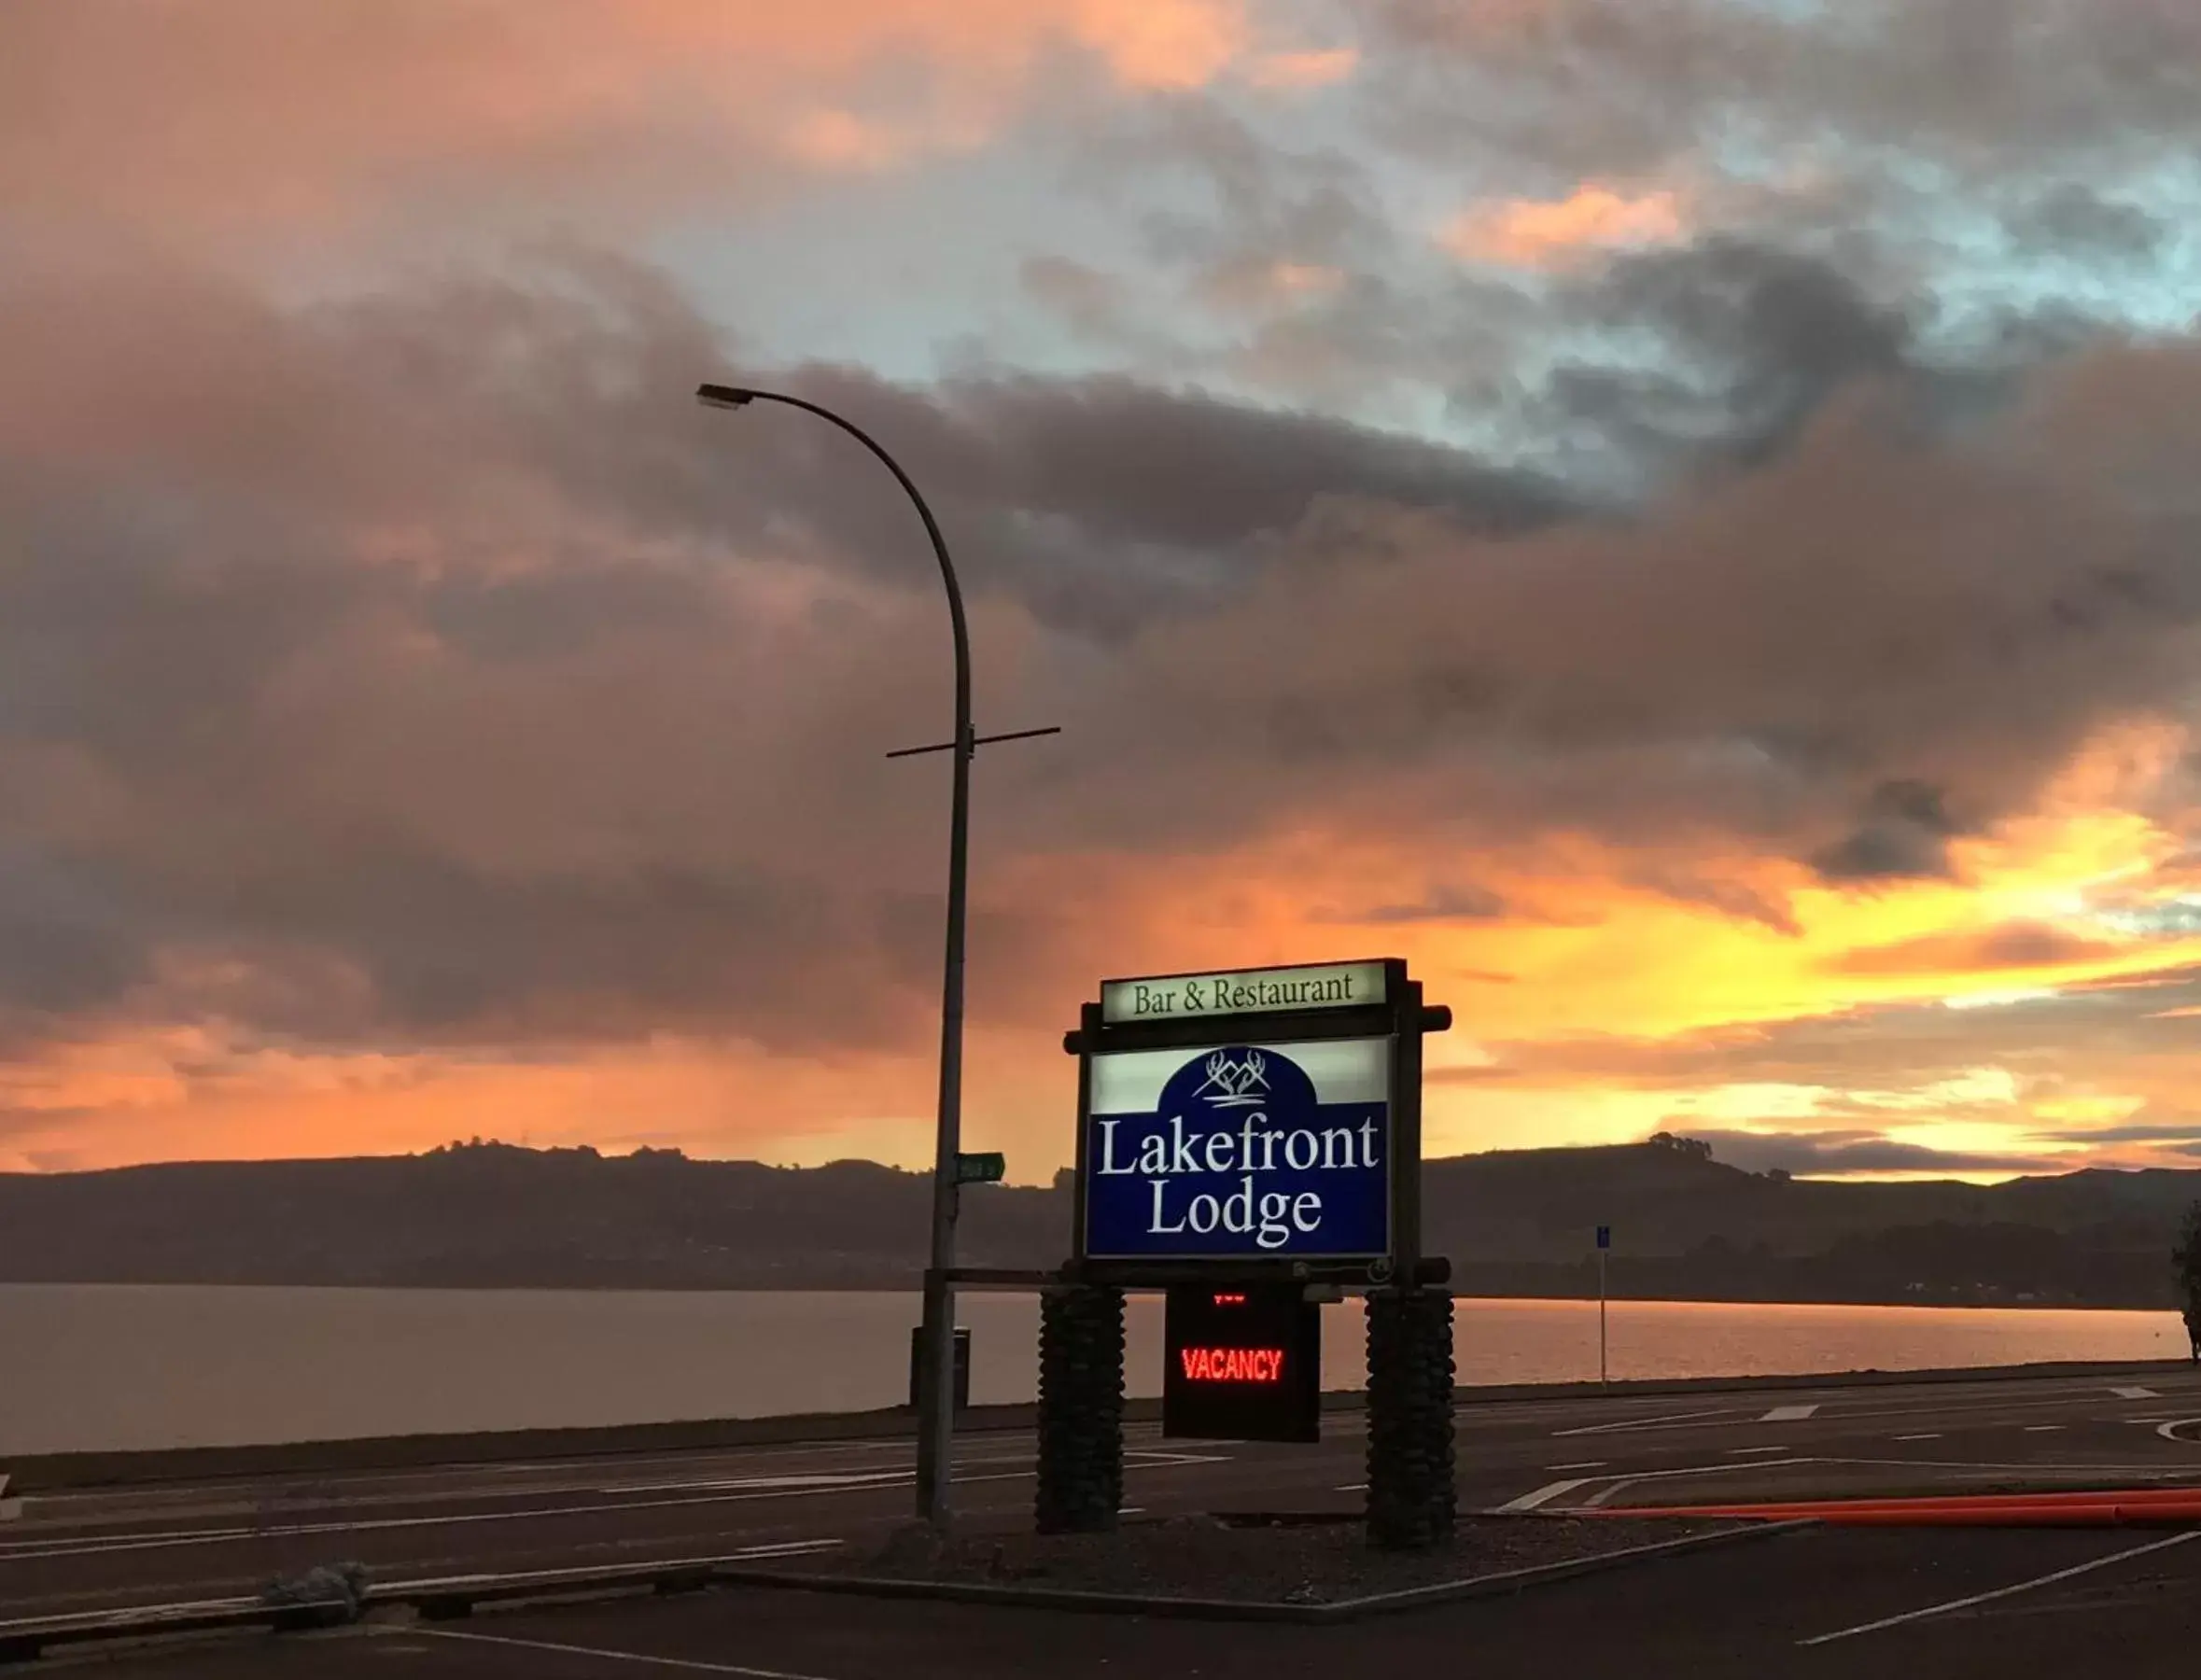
(1241,1152)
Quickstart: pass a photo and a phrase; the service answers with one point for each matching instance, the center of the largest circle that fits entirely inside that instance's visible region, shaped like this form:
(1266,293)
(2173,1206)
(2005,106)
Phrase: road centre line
(2004,1405)
(2135,1393)
(1814,1412)
(1582,1464)
(1746,1452)
(1918,1438)
(2002,1592)
(63,1546)
(828,1481)
(1659,1422)
(687,1664)
(28,1550)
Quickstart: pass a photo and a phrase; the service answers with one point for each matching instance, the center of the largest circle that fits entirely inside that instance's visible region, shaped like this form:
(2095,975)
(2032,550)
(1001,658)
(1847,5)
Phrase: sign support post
(1605,1243)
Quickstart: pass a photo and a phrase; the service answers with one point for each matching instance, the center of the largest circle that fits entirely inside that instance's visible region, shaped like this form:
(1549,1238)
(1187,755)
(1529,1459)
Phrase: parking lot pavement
(1840,1604)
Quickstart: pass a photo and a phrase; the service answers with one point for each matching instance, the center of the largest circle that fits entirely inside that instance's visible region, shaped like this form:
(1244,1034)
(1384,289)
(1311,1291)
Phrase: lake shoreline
(47,1472)
(1462,1288)
(125,1369)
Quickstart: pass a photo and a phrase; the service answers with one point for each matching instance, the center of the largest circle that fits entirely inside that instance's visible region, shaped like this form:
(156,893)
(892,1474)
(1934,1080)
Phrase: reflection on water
(86,1367)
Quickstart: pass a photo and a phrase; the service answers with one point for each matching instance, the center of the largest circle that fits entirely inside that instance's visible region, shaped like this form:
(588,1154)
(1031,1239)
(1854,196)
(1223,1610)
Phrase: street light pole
(937,1384)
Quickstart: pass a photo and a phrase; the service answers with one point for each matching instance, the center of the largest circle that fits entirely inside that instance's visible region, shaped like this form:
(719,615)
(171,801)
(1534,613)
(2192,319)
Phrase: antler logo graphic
(1236,1084)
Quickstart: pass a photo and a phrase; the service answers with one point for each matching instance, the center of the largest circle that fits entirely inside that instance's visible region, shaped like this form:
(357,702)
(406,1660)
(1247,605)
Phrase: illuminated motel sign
(1243,1135)
(1242,1365)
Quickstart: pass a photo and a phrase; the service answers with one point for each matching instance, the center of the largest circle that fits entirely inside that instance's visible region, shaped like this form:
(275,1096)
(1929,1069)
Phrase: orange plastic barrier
(2089,1507)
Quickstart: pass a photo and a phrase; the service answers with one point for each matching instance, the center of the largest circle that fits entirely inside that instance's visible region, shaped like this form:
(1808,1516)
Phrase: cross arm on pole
(1015,734)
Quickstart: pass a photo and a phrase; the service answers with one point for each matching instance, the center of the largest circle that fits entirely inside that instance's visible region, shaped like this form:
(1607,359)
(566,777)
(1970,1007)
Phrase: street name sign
(989,1167)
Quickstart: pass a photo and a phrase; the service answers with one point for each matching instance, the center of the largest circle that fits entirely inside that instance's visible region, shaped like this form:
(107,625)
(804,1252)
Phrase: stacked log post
(1081,1409)
(1412,1501)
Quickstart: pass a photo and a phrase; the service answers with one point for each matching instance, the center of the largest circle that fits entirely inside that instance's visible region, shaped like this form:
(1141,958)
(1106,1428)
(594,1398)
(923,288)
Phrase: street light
(936,1384)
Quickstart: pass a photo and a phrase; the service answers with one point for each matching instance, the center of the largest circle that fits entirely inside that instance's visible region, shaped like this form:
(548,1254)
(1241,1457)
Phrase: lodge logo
(1242,1084)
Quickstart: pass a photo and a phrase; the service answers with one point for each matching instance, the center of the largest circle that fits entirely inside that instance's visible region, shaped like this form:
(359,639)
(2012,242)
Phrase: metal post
(1601,1368)
(936,1395)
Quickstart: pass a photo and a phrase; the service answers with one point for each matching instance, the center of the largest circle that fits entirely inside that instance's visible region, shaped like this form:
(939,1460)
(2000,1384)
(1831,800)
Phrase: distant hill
(1514,1223)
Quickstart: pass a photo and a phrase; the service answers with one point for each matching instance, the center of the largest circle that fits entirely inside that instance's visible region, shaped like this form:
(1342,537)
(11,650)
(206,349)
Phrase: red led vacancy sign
(1243,1365)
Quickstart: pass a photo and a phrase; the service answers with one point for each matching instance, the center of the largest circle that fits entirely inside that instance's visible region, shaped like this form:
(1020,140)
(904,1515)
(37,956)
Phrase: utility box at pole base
(917,1369)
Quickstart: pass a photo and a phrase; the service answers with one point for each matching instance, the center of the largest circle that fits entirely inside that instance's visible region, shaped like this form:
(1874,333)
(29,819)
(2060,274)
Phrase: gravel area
(1277,1561)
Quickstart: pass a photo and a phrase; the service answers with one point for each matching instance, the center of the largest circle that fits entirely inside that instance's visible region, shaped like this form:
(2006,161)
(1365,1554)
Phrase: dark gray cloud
(1980,86)
(2050,1046)
(1758,338)
(1453,902)
(2152,1132)
(431,667)
(1904,835)
(2074,216)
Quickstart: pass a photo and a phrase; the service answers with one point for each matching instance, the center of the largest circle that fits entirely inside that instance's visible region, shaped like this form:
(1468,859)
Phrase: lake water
(86,1366)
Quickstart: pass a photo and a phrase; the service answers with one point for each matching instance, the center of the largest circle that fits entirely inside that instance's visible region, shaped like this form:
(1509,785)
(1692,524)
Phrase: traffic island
(1278,1567)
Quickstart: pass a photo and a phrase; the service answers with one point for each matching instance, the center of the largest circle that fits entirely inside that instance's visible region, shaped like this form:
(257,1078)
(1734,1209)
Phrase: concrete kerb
(1500,1584)
(53,1472)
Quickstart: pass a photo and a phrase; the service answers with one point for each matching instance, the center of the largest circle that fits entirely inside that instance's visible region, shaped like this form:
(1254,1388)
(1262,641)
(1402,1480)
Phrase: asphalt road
(1856,1604)
(1739,1610)
(110,1549)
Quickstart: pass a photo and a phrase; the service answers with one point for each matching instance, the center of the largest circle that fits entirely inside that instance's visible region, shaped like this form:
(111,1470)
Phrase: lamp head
(726,397)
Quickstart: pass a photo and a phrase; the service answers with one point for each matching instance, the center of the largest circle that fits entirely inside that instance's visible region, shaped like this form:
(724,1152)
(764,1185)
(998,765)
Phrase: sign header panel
(1240,1151)
(1248,991)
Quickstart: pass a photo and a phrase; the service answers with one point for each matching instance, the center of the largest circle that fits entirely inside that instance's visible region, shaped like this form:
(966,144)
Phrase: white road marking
(2169,1430)
(689,1664)
(2002,1592)
(1918,1438)
(1131,1510)
(1746,1452)
(2135,1393)
(1789,1414)
(788,1548)
(1621,1483)
(822,1482)
(1584,1464)
(2044,1429)
(1355,1487)
(1689,1417)
(1546,1493)
(14,1551)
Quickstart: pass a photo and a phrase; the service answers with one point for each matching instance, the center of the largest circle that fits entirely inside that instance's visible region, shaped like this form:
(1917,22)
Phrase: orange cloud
(2034,948)
(1299,71)
(1541,233)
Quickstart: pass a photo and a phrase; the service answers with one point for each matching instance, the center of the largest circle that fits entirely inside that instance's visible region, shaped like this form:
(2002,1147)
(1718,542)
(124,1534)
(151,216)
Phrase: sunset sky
(1680,517)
